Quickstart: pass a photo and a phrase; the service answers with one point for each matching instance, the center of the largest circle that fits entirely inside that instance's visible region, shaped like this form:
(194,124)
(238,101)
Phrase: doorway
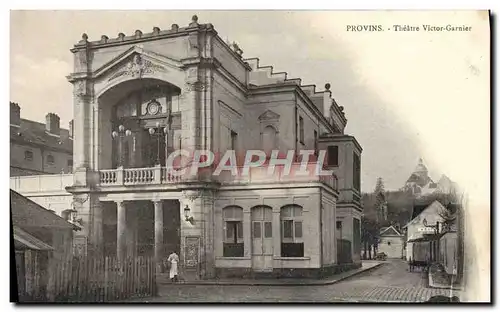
(262,239)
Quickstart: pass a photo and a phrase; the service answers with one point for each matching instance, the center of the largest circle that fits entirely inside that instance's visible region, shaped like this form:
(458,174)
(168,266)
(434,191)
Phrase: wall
(392,246)
(46,190)
(229,61)
(275,198)
(329,237)
(280,105)
(38,165)
(228,114)
(344,170)
(448,245)
(310,124)
(172,47)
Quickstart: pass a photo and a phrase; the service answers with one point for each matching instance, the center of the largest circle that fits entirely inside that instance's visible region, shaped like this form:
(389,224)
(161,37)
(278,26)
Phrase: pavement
(365,266)
(435,283)
(389,282)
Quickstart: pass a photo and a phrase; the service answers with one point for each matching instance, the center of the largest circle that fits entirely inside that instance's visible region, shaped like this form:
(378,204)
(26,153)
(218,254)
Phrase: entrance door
(262,239)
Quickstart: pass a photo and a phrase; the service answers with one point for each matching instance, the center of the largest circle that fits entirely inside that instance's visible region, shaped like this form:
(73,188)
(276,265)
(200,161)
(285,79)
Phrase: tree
(380,200)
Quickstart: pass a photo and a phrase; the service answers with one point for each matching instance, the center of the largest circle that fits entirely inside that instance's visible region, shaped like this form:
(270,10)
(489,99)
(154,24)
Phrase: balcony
(137,176)
(159,175)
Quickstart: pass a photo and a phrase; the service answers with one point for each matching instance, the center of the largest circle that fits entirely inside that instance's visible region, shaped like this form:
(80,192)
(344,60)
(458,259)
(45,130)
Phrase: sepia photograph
(245,156)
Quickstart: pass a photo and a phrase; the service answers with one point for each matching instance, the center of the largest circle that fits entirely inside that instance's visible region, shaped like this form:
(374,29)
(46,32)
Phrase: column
(121,230)
(158,234)
(247,233)
(276,233)
(82,100)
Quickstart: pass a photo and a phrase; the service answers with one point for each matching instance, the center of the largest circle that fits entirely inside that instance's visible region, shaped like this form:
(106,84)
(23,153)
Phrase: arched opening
(143,113)
(269,136)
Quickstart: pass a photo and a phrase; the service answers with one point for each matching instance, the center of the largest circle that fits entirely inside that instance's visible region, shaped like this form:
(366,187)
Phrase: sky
(406,94)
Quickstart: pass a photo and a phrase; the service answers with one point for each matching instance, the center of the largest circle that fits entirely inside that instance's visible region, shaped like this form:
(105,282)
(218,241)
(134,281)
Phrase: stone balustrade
(161,175)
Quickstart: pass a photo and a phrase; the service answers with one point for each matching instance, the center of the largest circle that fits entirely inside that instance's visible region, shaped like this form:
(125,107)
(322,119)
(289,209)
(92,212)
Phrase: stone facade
(138,98)
(37,148)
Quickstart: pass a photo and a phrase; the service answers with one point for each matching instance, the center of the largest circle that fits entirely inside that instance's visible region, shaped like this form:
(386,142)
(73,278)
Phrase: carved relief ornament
(137,67)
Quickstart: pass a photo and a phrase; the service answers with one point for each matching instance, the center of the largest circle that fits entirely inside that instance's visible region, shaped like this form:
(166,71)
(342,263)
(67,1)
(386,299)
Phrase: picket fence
(87,279)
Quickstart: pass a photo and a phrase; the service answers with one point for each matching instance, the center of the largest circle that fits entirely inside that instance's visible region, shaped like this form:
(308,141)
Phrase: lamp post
(120,135)
(159,134)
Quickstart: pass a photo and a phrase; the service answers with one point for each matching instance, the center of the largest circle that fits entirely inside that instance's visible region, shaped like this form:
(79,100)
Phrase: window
(388,243)
(292,244)
(233,232)
(234,140)
(333,156)
(70,165)
(268,139)
(50,159)
(339,225)
(356,172)
(28,155)
(315,143)
(301,130)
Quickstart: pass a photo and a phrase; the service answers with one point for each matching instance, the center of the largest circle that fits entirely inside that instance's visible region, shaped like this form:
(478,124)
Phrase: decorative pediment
(269,115)
(137,66)
(137,62)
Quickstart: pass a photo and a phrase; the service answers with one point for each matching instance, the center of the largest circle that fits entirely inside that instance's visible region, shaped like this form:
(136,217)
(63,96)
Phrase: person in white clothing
(173,259)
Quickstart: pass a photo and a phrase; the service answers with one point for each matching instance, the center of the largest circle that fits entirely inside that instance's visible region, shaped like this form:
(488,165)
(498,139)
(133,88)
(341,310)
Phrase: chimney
(15,114)
(70,128)
(52,124)
(327,101)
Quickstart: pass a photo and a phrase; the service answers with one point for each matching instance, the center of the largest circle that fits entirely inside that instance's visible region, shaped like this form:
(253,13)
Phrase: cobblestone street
(391,282)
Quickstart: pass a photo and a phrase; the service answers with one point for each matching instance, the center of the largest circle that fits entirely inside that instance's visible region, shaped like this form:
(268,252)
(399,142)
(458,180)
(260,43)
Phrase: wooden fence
(87,279)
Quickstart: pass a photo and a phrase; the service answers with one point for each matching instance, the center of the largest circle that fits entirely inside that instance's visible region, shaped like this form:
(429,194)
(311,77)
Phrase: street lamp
(187,215)
(158,133)
(120,135)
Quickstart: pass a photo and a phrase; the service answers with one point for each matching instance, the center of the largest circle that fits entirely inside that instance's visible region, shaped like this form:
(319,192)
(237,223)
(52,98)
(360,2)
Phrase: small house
(391,242)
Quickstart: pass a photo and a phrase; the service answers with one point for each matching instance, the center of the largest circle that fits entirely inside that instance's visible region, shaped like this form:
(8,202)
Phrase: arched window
(233,231)
(269,139)
(50,159)
(292,243)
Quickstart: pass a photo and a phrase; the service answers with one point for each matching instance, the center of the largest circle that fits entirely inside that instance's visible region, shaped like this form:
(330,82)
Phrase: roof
(389,231)
(26,213)
(419,207)
(26,240)
(32,132)
(430,237)
(420,166)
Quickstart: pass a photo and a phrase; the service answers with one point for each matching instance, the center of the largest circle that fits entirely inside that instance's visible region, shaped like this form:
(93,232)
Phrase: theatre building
(140,97)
